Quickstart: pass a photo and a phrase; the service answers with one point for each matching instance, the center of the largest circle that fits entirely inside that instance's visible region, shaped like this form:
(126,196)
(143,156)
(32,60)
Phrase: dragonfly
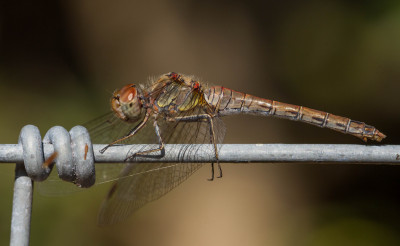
(176,108)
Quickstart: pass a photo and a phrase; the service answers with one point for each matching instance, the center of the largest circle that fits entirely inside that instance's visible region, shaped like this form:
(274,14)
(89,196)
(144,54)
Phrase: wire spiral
(73,152)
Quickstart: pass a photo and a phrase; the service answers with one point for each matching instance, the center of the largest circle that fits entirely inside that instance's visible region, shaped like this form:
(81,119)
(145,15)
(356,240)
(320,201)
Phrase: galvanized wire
(76,157)
(238,153)
(22,207)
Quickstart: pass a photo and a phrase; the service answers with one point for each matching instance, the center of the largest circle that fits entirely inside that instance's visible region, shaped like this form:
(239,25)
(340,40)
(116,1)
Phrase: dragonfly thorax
(126,103)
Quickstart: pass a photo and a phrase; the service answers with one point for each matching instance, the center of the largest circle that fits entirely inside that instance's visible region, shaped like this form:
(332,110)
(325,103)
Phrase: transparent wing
(140,183)
(108,128)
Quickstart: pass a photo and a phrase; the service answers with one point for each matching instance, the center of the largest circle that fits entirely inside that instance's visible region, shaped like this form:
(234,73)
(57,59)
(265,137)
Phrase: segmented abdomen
(228,102)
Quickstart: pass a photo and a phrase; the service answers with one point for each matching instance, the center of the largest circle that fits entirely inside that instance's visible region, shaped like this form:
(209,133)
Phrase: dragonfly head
(126,103)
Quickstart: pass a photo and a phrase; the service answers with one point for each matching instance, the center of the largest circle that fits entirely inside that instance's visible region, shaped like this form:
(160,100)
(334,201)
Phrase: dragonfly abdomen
(228,102)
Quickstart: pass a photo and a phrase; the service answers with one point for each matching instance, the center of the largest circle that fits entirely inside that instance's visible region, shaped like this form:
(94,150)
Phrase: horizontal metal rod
(235,153)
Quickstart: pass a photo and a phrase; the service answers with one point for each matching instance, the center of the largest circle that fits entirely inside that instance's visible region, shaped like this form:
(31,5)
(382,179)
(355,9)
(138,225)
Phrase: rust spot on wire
(86,151)
(50,160)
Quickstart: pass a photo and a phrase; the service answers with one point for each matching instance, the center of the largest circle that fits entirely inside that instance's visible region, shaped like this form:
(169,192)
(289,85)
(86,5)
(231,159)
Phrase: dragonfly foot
(104,149)
(212,172)
(220,170)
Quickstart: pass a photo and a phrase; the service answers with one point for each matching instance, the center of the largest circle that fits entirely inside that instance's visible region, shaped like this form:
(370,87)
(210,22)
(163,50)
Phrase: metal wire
(238,153)
(76,157)
(74,162)
(22,207)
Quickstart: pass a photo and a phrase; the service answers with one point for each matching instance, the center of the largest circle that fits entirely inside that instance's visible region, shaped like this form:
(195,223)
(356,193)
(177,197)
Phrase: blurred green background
(61,60)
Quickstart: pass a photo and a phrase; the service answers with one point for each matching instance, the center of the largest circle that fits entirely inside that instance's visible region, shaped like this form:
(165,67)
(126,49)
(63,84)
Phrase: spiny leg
(160,143)
(130,134)
(213,141)
(212,172)
(204,117)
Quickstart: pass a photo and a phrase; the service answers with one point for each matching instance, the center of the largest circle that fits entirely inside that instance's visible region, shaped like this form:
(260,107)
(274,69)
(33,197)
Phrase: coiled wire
(73,154)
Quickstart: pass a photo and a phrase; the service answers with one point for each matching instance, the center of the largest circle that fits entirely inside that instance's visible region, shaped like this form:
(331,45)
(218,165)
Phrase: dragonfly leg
(209,118)
(214,142)
(160,143)
(212,172)
(220,170)
(130,134)
(201,117)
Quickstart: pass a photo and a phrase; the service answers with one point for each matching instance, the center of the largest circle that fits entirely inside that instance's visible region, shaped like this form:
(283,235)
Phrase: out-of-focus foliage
(61,60)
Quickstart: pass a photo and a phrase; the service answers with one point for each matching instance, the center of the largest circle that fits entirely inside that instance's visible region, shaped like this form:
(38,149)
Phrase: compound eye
(128,93)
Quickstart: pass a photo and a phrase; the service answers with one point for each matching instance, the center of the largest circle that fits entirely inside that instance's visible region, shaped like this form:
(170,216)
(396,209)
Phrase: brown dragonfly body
(227,102)
(178,109)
